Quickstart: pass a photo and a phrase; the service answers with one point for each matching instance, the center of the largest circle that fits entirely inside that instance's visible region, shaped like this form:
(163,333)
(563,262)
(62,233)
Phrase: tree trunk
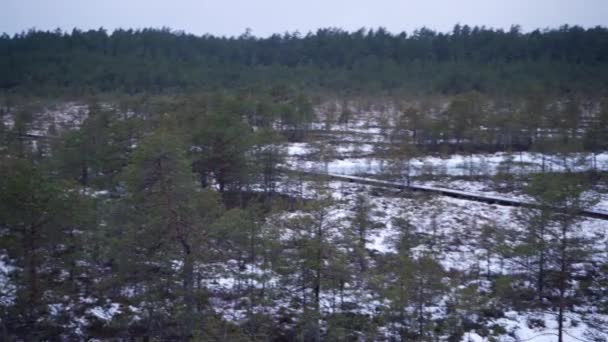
(33,286)
(188,279)
(188,266)
(420,312)
(562,282)
(541,262)
(361,257)
(252,262)
(317,294)
(408,172)
(84,175)
(317,286)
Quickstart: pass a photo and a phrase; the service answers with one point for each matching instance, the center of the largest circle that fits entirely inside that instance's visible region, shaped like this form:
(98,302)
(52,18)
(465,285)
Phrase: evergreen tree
(556,238)
(223,141)
(44,222)
(361,225)
(166,223)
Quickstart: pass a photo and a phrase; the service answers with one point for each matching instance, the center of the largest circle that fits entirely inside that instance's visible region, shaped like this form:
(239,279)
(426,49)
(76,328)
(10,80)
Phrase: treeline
(472,122)
(564,60)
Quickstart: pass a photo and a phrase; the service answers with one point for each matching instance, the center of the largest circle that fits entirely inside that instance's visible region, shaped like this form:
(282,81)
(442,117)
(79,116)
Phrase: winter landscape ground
(470,246)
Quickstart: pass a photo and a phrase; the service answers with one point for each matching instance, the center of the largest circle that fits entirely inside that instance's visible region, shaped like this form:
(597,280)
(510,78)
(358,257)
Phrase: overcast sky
(232,17)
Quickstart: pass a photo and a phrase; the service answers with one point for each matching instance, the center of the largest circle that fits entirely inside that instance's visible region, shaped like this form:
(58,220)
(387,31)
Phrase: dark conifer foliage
(468,58)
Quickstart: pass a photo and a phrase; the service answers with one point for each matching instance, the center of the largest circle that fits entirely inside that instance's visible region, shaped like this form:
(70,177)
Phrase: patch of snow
(105,313)
(7,288)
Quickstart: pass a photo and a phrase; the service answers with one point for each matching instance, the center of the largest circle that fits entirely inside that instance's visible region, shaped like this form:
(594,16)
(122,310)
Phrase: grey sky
(232,17)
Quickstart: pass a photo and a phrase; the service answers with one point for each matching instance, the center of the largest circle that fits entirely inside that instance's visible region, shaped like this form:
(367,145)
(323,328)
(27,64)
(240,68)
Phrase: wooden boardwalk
(478,197)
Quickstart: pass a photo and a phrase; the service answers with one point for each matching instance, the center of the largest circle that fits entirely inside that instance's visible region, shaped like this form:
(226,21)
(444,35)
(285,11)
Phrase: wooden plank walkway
(486,198)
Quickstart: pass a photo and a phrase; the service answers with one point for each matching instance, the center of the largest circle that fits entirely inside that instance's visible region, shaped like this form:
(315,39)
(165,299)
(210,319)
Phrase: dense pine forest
(161,186)
(424,62)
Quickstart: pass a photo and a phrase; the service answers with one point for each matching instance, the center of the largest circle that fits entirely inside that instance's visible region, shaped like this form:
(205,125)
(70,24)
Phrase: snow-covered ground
(520,328)
(445,171)
(456,224)
(453,217)
(64,116)
(7,289)
(450,229)
(452,165)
